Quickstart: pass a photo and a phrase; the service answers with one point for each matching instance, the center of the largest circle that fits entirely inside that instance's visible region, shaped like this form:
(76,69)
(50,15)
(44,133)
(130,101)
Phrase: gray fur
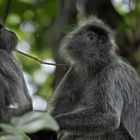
(99,97)
(14,97)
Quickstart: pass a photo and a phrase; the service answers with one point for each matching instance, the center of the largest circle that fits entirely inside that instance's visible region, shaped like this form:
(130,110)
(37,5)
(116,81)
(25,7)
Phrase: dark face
(87,44)
(8,39)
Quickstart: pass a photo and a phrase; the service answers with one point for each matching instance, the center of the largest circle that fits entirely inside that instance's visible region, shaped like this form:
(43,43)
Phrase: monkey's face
(87,44)
(8,39)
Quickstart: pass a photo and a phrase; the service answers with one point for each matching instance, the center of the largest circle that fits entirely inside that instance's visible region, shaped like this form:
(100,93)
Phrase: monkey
(14,97)
(99,97)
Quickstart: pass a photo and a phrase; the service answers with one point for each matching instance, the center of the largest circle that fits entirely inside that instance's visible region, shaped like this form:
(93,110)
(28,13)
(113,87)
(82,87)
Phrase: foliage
(29,123)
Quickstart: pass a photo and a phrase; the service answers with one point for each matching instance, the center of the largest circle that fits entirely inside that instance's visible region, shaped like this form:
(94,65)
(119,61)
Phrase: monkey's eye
(102,40)
(91,36)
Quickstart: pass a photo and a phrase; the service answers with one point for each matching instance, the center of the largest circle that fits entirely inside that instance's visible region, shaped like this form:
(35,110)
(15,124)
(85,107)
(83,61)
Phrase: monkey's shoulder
(9,67)
(119,70)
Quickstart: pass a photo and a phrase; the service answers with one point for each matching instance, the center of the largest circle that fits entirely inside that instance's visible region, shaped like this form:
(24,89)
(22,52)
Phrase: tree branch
(6,10)
(39,60)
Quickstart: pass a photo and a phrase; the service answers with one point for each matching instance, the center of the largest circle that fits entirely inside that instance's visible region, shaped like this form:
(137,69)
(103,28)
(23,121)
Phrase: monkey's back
(14,97)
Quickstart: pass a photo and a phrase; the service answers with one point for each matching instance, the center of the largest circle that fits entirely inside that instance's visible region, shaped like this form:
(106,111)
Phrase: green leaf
(7,128)
(34,121)
(15,137)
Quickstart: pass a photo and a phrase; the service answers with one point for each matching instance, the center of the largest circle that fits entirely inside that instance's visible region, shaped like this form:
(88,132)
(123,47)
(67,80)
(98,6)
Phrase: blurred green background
(41,24)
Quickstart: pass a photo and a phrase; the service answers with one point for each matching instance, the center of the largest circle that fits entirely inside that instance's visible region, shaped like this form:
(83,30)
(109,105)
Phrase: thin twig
(6,10)
(39,60)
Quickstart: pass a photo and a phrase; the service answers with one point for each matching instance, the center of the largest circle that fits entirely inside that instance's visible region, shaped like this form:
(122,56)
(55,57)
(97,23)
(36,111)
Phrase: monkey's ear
(8,39)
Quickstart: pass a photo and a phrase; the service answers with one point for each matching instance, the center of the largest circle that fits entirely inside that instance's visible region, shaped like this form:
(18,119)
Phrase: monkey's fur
(99,97)
(14,97)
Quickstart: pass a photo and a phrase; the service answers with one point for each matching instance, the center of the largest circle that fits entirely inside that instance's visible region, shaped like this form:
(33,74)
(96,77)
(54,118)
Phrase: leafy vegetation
(29,123)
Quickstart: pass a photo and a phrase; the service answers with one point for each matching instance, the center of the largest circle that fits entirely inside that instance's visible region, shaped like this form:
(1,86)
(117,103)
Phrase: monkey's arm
(63,100)
(89,120)
(104,117)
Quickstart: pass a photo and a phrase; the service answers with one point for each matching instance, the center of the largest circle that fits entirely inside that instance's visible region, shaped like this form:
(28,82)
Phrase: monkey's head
(91,43)
(8,39)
